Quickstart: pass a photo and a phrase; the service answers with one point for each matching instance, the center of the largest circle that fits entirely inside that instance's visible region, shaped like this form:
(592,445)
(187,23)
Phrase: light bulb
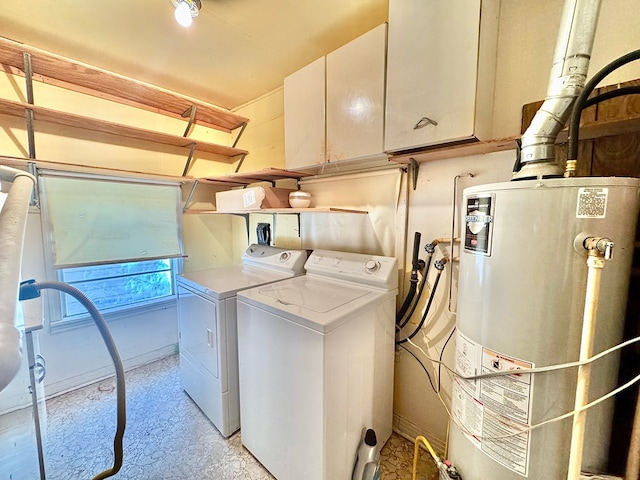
(183,14)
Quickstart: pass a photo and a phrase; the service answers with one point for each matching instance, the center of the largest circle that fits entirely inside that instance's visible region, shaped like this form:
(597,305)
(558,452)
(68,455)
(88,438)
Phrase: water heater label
(478,222)
(494,412)
(592,203)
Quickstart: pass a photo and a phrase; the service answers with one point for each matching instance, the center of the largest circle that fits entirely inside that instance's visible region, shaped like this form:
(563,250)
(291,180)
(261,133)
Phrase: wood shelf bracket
(191,192)
(189,163)
(415,169)
(191,113)
(242,127)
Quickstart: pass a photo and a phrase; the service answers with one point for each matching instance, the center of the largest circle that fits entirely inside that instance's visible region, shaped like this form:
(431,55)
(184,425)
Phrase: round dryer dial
(372,266)
(284,256)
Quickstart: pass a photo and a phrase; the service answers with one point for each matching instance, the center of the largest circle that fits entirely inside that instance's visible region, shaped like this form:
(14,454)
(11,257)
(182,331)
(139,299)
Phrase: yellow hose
(421,439)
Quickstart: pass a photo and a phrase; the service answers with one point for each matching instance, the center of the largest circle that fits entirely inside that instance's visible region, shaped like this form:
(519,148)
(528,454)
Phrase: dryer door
(198,319)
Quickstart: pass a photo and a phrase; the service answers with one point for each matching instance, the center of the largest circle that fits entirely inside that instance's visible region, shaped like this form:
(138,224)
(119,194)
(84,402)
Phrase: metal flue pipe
(567,79)
(13,221)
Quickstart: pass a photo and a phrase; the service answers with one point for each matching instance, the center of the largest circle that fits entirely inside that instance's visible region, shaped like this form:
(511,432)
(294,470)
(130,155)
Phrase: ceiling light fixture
(186,10)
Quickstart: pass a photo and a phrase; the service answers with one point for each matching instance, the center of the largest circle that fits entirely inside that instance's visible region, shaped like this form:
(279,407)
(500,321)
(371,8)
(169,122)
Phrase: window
(116,240)
(117,287)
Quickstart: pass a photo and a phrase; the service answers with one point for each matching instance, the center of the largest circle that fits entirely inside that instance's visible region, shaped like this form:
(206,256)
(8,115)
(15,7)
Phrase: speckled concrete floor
(167,436)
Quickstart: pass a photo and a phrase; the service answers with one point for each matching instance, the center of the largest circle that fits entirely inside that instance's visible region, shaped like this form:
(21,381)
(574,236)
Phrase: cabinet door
(304,118)
(355,97)
(431,72)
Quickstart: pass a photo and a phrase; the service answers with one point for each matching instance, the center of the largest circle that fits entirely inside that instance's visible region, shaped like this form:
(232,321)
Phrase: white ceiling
(234,52)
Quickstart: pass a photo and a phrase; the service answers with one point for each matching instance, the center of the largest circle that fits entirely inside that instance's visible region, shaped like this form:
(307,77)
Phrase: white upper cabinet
(304,116)
(334,107)
(440,72)
(355,97)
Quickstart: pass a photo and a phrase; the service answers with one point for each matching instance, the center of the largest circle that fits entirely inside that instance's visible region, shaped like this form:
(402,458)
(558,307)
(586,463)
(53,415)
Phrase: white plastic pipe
(595,264)
(13,221)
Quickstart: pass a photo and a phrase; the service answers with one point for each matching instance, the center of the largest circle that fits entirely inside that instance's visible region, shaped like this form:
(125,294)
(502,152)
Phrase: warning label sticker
(592,203)
(494,412)
(510,395)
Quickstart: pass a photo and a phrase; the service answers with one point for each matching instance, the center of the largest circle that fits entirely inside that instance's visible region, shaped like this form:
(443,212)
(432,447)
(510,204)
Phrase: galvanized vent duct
(567,79)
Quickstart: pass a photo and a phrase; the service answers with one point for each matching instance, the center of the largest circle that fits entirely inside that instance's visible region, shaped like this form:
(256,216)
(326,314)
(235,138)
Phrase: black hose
(518,163)
(401,324)
(409,298)
(618,92)
(430,248)
(117,362)
(426,311)
(415,266)
(574,122)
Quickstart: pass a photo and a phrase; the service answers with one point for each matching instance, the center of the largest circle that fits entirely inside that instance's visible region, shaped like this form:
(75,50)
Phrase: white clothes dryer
(316,358)
(207,327)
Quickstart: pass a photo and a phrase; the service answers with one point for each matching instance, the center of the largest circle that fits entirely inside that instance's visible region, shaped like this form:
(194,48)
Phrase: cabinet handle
(209,337)
(423,122)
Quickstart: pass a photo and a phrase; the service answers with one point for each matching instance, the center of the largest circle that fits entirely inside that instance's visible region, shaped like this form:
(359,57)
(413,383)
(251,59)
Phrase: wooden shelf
(191,211)
(18,162)
(42,114)
(265,175)
(73,75)
(454,151)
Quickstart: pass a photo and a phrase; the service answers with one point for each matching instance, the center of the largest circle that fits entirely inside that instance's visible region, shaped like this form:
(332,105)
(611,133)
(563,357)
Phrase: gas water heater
(521,297)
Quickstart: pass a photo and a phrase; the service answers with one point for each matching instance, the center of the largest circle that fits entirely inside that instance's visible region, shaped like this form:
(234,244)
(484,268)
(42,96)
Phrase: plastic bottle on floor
(367,465)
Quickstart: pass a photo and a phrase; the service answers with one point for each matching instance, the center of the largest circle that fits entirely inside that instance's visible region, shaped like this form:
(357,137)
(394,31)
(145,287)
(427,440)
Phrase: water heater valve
(448,471)
(601,244)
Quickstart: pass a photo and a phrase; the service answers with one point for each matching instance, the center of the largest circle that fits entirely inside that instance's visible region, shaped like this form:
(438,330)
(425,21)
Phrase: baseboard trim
(69,384)
(410,431)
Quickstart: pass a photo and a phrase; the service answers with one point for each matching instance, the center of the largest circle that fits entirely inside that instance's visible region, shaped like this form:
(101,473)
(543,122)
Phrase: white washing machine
(316,357)
(207,327)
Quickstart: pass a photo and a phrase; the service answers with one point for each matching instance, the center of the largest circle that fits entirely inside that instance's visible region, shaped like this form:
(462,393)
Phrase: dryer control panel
(274,258)
(373,270)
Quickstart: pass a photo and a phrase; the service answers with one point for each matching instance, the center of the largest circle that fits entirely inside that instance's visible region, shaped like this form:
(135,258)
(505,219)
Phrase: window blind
(96,220)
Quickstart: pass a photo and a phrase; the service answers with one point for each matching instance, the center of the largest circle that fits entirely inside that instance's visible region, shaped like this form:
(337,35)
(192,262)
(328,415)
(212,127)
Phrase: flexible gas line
(447,471)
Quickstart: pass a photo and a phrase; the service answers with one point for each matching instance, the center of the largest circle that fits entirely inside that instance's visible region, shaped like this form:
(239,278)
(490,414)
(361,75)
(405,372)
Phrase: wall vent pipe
(567,79)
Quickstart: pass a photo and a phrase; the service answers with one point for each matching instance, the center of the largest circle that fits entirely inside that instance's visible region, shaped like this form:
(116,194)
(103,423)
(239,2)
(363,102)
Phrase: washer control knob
(372,266)
(284,256)
(336,261)
(317,259)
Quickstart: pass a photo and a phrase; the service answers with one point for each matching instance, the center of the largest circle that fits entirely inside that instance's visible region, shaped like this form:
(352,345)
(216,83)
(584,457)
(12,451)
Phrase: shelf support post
(28,76)
(35,196)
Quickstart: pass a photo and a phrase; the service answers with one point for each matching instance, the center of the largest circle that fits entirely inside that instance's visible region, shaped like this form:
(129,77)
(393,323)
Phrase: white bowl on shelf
(299,199)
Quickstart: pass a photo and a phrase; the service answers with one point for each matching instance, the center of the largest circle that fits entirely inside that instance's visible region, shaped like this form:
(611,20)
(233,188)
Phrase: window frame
(62,321)
(53,311)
